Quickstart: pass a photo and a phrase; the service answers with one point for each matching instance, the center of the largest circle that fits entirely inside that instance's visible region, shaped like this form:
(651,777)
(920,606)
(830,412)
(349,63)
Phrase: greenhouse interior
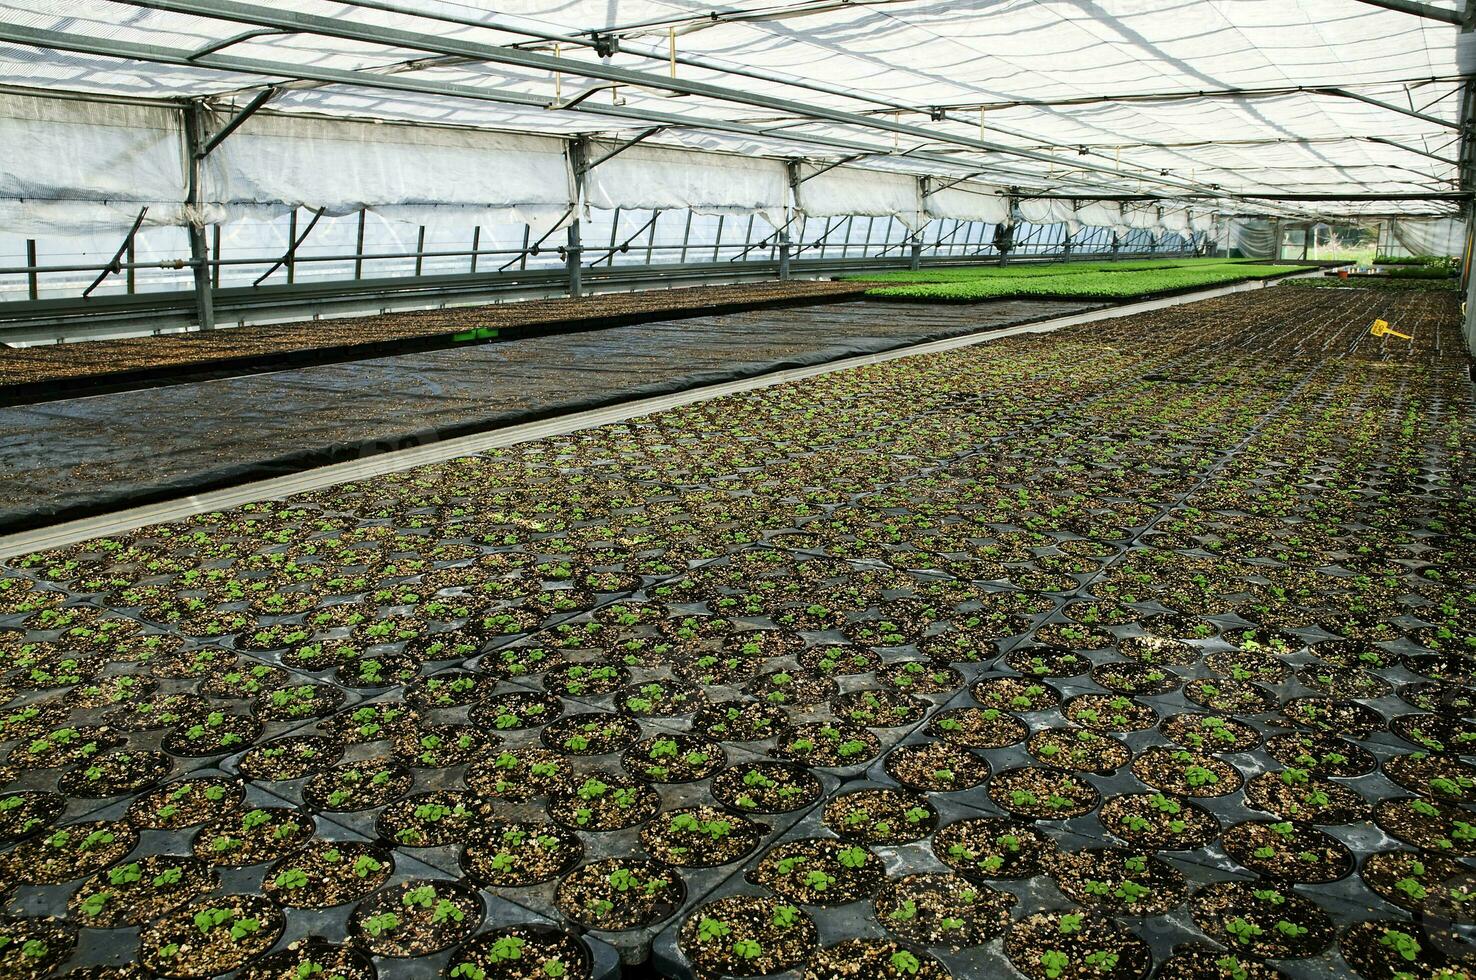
(807,489)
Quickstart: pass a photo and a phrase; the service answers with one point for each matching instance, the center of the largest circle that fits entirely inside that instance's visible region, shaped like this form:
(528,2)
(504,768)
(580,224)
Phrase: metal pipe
(287,19)
(1418,9)
(108,47)
(194,128)
(359,249)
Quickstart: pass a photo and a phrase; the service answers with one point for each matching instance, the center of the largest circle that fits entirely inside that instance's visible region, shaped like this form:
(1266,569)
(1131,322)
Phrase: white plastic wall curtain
(709,183)
(844,191)
(1101,214)
(1439,236)
(1049,212)
(1256,239)
(88,166)
(404,173)
(969,202)
(80,166)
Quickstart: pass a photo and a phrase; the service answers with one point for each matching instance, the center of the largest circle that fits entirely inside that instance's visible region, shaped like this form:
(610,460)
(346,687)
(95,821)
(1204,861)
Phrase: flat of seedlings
(58,370)
(103,452)
(1141,647)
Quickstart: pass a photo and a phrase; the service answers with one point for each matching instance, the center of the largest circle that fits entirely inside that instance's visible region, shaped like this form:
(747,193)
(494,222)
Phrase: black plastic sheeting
(79,457)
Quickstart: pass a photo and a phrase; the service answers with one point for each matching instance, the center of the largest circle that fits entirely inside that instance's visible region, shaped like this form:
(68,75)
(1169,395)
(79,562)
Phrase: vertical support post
(687,237)
(33,278)
(870,225)
(1306,240)
(476,247)
(1276,240)
(791,205)
(572,248)
(292,252)
(1004,237)
(523,256)
(748,234)
(420,252)
(651,237)
(914,256)
(132,272)
(717,242)
(215,253)
(194,128)
(1116,245)
(359,245)
(614,237)
(1468,184)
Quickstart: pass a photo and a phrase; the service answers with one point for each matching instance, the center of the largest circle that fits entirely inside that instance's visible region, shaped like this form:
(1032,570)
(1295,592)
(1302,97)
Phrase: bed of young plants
(1106,281)
(1146,644)
(1441,283)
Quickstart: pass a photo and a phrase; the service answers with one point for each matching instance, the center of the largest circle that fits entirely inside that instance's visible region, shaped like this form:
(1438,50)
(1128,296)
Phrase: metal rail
(51,319)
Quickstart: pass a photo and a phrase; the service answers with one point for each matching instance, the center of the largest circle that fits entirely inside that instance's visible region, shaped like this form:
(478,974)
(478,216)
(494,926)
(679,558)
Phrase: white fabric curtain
(710,183)
(77,167)
(277,162)
(845,191)
(1176,220)
(1039,212)
(1101,214)
(1141,217)
(1255,238)
(970,202)
(1430,236)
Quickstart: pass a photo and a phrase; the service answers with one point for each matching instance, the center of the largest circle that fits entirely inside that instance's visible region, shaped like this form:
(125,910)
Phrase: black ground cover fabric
(66,459)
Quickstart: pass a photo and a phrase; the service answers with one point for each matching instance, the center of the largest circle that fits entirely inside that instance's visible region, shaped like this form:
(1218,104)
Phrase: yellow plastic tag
(1381,328)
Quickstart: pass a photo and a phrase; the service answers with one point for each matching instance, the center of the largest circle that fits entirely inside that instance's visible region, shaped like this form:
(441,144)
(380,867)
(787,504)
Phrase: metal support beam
(289,258)
(194,128)
(573,249)
(237,121)
(623,147)
(1411,149)
(1418,9)
(154,54)
(256,15)
(829,166)
(934,186)
(234,39)
(1391,107)
(33,279)
(359,245)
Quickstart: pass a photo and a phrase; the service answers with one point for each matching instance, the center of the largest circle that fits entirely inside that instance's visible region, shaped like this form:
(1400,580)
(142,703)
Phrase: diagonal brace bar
(830,166)
(291,252)
(116,263)
(586,168)
(534,248)
(1379,103)
(1419,10)
(625,245)
(237,122)
(944,185)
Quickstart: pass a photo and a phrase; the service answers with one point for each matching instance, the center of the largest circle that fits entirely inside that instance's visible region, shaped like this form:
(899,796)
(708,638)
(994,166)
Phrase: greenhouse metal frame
(221,74)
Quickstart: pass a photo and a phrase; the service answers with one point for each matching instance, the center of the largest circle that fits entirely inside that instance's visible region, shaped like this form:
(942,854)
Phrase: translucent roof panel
(1220,99)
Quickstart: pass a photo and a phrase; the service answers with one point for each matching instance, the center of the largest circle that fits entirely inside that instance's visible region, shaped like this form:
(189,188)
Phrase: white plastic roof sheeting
(1134,89)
